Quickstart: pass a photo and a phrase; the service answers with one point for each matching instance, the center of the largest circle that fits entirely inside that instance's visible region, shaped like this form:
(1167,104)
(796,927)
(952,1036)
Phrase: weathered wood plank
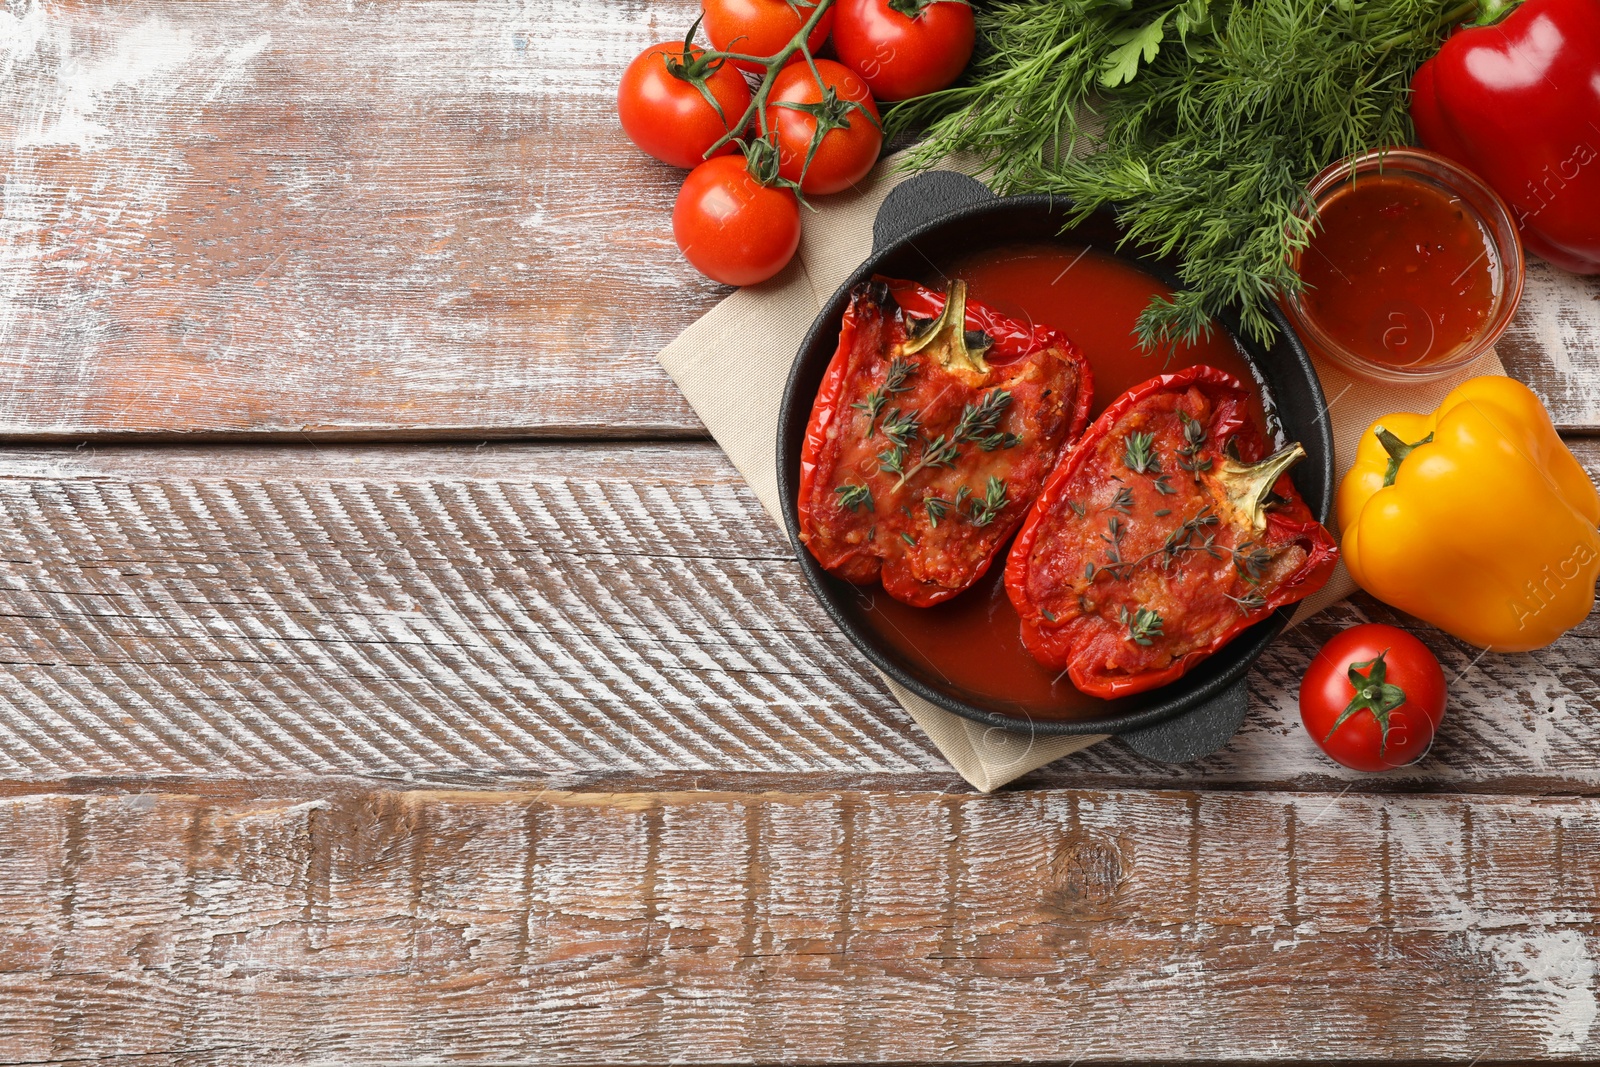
(334,218)
(1553,344)
(457,612)
(337,923)
(415,218)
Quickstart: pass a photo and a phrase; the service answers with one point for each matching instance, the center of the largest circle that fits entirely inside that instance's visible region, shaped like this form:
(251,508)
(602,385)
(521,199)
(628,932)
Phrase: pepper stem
(947,336)
(1398,451)
(1492,11)
(1247,486)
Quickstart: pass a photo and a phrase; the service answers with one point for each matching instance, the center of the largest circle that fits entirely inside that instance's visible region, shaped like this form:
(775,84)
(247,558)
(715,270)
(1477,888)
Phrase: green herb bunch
(1203,121)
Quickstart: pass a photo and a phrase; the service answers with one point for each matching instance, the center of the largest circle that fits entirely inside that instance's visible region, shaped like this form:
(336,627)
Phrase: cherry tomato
(733,228)
(664,112)
(1373,698)
(904,48)
(762,27)
(843,105)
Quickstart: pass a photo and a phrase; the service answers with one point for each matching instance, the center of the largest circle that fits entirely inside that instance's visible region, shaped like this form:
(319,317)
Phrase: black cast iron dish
(934,219)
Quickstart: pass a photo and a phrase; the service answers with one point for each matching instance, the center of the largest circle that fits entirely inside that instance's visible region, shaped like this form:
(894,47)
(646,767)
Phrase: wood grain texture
(567,611)
(339,923)
(334,218)
(364,220)
(1553,344)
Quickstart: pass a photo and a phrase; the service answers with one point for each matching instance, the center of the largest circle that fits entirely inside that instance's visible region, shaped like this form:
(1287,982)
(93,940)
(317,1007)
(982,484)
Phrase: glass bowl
(1407,334)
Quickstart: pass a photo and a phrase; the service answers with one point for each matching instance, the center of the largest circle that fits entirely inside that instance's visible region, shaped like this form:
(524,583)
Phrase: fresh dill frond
(1200,121)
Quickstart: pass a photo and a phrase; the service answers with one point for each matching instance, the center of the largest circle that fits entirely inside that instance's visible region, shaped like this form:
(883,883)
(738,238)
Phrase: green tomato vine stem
(757,108)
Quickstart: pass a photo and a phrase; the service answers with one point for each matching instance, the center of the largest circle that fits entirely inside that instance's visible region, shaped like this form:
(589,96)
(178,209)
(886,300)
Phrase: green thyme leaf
(939,452)
(855,497)
(894,382)
(994,501)
(892,460)
(900,369)
(1252,560)
(1139,453)
(979,422)
(1251,601)
(1143,625)
(901,427)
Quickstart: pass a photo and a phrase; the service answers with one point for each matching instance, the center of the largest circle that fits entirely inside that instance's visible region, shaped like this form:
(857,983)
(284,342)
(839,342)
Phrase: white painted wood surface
(417,217)
(333,218)
(347,924)
(317,753)
(543,610)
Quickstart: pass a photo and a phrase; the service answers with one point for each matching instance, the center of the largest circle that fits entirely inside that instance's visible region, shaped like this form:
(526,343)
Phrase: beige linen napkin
(733,362)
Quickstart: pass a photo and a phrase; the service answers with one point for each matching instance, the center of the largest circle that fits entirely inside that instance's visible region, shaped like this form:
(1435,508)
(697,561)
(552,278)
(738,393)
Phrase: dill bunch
(1201,121)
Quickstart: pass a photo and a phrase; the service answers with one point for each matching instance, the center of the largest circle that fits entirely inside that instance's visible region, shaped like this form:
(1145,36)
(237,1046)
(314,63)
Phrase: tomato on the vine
(841,106)
(665,111)
(763,27)
(733,228)
(905,48)
(1373,698)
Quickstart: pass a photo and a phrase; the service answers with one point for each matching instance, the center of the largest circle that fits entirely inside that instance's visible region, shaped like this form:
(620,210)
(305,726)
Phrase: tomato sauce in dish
(1398,272)
(974,641)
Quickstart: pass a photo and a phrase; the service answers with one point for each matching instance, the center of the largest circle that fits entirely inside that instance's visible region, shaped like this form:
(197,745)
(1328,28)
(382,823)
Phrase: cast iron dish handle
(1195,733)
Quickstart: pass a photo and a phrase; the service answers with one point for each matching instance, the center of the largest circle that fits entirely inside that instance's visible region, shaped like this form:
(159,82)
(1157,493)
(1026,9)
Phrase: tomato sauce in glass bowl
(1413,269)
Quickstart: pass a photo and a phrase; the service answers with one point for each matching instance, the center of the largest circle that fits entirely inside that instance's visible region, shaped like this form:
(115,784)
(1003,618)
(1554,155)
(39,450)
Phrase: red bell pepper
(1161,537)
(936,424)
(1518,102)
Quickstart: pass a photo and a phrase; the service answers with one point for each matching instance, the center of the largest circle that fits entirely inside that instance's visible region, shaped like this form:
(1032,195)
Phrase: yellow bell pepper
(1475,518)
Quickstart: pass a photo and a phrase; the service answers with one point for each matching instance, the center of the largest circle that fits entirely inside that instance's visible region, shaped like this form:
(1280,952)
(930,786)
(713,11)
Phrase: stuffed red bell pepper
(936,424)
(1519,103)
(1162,536)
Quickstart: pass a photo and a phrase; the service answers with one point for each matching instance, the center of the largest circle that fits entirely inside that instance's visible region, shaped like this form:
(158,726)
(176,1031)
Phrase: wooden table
(393,671)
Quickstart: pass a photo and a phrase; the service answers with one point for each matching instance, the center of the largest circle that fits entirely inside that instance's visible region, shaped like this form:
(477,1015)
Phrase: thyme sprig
(1139,453)
(892,460)
(901,428)
(1189,538)
(855,497)
(941,451)
(1144,625)
(1251,601)
(1252,560)
(979,422)
(894,382)
(1194,437)
(982,513)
